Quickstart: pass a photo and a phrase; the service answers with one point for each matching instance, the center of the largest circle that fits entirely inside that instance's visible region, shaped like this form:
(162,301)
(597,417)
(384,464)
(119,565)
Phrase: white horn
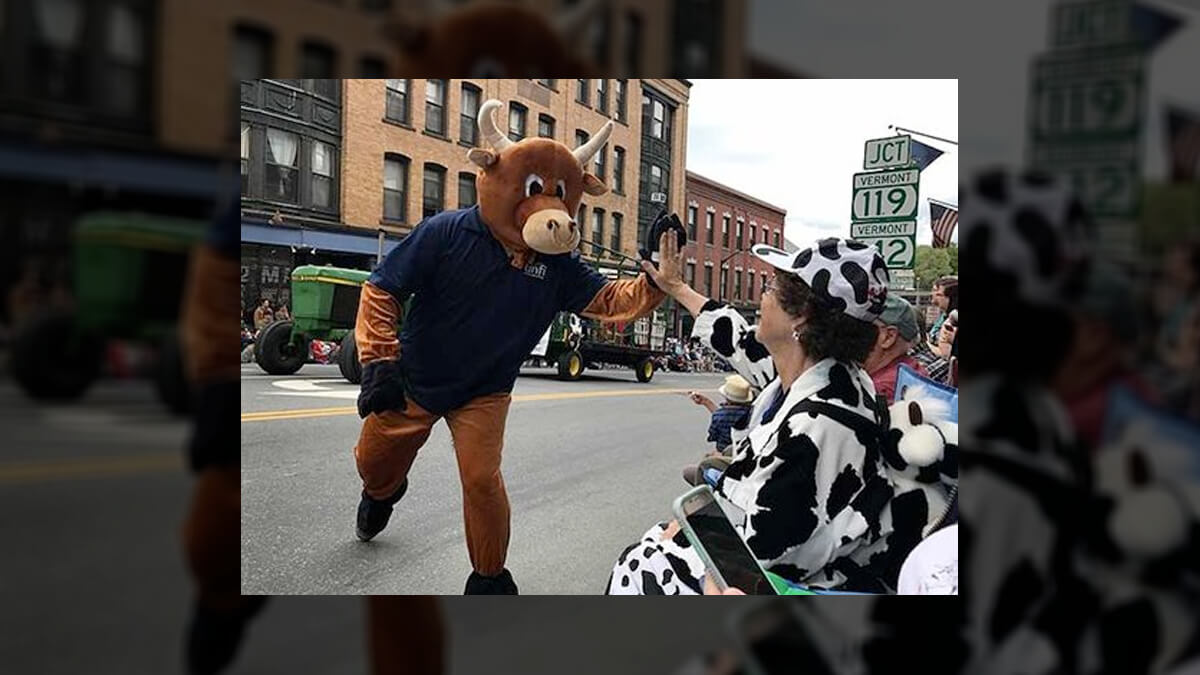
(487,126)
(587,151)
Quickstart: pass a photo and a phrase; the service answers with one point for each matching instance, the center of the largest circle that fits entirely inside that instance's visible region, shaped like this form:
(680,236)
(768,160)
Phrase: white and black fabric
(845,274)
(809,484)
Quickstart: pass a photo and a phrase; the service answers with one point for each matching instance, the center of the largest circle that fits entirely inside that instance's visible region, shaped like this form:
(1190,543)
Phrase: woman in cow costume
(485,284)
(809,475)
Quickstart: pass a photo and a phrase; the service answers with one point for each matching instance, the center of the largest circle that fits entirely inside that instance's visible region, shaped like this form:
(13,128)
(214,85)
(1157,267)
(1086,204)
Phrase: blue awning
(149,173)
(341,242)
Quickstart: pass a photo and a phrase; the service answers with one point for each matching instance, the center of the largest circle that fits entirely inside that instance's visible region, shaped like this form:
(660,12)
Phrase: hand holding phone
(728,559)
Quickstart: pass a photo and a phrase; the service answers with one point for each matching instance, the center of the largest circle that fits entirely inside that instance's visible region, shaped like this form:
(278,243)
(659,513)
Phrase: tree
(933,263)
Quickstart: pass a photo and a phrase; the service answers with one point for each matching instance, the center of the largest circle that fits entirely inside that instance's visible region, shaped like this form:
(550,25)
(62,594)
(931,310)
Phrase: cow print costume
(808,482)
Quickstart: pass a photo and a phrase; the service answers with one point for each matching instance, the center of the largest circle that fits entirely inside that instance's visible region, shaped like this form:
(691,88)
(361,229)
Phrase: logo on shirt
(536,270)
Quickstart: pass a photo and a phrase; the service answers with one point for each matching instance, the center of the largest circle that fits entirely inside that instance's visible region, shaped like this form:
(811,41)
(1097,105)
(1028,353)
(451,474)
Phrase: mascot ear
(593,185)
(482,158)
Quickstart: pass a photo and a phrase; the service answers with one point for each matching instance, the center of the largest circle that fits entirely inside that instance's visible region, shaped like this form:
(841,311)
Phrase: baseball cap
(899,313)
(843,273)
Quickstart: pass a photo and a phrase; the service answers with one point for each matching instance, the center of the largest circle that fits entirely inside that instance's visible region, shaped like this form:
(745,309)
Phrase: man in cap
(897,331)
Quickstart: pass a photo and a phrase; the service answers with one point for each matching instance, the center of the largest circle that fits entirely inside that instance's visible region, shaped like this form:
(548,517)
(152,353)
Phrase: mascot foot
(373,514)
(214,636)
(501,584)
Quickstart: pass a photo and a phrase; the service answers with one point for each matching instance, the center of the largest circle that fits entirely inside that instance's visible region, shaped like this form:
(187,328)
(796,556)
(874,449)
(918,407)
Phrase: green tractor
(128,282)
(324,305)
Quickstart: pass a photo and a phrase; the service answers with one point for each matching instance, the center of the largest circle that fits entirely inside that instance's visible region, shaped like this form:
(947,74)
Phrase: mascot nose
(551,224)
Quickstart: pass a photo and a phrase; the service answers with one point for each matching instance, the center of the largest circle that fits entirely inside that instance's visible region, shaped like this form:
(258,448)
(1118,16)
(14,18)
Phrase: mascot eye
(560,190)
(533,185)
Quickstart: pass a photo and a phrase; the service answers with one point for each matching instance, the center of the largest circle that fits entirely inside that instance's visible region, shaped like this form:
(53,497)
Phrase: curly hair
(829,332)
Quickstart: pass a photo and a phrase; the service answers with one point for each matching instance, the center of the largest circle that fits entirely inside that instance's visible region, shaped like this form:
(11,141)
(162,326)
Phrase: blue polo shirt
(474,317)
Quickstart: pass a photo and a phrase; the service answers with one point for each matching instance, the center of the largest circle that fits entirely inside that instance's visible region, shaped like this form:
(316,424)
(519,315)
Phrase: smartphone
(726,555)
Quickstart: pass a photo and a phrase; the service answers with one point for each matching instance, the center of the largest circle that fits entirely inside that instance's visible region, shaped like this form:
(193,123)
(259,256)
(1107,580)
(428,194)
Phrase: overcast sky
(797,143)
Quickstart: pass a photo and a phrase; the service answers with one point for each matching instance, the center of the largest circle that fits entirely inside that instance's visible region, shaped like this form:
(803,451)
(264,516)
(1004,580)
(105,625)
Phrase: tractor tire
(275,351)
(348,360)
(644,370)
(53,361)
(174,390)
(570,366)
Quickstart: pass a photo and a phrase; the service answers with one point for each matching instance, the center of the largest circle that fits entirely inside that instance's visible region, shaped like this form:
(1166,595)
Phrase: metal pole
(921,133)
(379,251)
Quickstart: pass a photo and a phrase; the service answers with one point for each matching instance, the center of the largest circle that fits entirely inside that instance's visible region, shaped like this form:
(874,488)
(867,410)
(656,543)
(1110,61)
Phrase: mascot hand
(382,387)
(663,223)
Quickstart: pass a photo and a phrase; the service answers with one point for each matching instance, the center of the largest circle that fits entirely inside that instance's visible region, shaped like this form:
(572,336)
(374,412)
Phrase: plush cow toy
(485,284)
(921,452)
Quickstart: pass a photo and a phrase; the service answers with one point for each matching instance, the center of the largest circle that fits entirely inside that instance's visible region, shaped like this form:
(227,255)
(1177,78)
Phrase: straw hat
(736,389)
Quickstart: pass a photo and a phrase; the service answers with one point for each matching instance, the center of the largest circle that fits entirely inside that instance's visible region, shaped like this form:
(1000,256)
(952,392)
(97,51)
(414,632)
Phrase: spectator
(812,427)
(937,367)
(734,413)
(897,333)
(262,315)
(282,314)
(945,296)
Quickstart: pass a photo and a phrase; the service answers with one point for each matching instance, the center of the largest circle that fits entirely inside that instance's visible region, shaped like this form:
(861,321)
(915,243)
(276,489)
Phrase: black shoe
(501,584)
(215,636)
(373,514)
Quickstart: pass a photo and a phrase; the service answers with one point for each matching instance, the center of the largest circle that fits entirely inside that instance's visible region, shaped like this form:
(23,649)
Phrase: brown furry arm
(621,301)
(375,326)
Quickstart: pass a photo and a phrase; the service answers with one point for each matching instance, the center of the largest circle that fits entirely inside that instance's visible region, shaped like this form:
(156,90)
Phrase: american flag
(1183,142)
(942,219)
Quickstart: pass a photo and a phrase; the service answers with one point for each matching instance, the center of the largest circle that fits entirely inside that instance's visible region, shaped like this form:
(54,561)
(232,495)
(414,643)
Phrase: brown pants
(389,443)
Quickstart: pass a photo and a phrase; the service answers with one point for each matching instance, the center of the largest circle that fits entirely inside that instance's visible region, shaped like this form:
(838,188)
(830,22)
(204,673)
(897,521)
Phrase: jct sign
(885,153)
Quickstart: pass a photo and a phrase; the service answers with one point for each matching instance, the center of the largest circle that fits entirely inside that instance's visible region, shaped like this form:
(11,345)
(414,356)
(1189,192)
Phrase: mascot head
(529,191)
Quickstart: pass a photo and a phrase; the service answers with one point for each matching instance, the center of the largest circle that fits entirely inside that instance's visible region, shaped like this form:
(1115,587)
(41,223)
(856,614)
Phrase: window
(516,120)
(633,42)
(615,238)
(656,178)
(245,157)
(581,137)
(466,190)
(601,160)
(581,91)
(691,274)
(741,231)
(724,283)
(433,196)
(753,236)
(622,88)
(750,285)
(371,68)
(435,107)
(282,156)
(468,119)
(322,174)
(581,217)
(125,60)
(619,170)
(252,50)
(762,290)
(776,238)
(737,284)
(725,232)
(708,227)
(708,279)
(691,223)
(397,101)
(602,95)
(57,57)
(395,188)
(545,126)
(549,84)
(658,120)
(597,231)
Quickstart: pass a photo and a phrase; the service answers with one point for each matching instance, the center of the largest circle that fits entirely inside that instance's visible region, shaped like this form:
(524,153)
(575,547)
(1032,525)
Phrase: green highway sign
(902,280)
(884,228)
(899,252)
(885,195)
(887,153)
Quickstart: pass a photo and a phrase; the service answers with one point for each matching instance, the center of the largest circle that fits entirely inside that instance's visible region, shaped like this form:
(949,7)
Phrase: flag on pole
(942,219)
(1183,144)
(1151,26)
(923,154)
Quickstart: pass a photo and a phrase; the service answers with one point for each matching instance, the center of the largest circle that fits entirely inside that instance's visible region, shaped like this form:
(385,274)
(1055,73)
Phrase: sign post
(883,206)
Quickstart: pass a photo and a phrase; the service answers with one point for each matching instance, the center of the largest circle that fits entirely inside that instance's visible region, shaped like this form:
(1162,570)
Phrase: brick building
(723,223)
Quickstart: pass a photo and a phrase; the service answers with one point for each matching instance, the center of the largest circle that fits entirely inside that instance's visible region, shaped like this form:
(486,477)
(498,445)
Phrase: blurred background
(119,129)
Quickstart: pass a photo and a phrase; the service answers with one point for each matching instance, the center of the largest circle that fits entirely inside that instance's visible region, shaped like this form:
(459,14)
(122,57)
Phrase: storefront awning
(341,242)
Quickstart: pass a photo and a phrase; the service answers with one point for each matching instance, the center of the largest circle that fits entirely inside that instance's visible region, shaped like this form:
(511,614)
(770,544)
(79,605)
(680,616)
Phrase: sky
(797,143)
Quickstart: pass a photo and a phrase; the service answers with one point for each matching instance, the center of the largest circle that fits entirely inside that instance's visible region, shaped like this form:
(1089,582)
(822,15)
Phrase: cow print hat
(844,274)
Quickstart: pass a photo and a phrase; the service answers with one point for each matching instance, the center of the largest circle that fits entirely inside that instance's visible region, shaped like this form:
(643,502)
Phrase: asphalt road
(589,465)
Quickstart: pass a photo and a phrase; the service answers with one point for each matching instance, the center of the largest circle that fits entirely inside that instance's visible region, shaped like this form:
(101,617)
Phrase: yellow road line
(303,413)
(100,467)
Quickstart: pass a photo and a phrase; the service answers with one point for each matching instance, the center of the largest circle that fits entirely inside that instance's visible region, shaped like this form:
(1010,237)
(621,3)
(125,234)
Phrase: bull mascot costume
(481,286)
